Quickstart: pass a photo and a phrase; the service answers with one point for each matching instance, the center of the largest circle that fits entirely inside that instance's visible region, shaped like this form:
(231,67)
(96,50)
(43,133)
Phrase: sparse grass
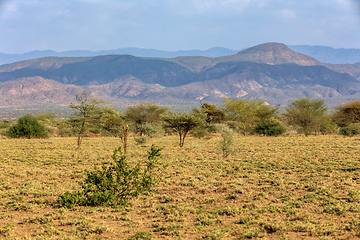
(270,188)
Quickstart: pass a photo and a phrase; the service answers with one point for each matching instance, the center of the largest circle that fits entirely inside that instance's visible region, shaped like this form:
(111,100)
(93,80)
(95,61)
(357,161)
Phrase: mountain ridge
(270,71)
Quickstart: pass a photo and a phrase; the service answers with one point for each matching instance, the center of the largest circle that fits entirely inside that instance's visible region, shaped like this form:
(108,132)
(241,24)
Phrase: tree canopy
(248,112)
(347,114)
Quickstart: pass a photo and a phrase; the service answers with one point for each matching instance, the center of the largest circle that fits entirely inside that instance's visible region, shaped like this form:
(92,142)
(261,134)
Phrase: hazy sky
(61,25)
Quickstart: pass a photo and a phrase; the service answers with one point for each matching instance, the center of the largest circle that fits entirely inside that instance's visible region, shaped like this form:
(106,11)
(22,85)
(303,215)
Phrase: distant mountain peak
(275,53)
(270,46)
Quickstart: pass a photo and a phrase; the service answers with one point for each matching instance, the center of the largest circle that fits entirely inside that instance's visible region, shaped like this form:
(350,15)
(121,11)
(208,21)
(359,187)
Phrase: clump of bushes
(351,130)
(27,127)
(117,182)
(269,128)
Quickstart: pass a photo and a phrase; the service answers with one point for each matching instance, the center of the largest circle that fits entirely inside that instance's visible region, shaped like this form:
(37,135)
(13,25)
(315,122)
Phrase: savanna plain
(287,187)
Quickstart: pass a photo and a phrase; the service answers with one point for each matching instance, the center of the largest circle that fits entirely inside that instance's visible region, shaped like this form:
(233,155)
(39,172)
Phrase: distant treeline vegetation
(144,120)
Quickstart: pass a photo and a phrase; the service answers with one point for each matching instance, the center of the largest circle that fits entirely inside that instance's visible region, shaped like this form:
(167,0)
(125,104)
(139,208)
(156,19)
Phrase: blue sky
(60,25)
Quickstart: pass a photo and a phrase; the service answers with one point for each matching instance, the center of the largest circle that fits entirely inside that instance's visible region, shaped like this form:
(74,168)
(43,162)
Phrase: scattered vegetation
(262,187)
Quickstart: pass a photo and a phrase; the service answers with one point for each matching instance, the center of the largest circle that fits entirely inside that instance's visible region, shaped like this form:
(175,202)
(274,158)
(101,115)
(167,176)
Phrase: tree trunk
(181,142)
(81,132)
(126,131)
(182,139)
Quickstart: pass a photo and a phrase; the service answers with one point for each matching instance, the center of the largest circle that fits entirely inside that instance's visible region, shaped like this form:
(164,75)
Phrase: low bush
(116,183)
(269,128)
(351,130)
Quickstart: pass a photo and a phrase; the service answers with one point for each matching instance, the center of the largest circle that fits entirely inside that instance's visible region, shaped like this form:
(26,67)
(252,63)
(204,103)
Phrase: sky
(61,25)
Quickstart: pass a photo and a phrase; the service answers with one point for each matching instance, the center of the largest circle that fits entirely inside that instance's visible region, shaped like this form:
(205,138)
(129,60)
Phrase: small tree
(226,143)
(182,123)
(88,109)
(27,127)
(306,115)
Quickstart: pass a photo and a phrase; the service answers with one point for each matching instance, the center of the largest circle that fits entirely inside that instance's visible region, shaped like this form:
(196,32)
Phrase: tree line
(92,117)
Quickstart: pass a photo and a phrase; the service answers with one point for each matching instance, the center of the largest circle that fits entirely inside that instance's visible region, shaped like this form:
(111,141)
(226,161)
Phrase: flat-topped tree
(88,109)
(183,123)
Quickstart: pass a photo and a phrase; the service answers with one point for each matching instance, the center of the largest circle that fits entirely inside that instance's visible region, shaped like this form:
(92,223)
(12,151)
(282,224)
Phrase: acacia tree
(88,109)
(182,123)
(306,115)
(142,114)
(347,114)
(248,112)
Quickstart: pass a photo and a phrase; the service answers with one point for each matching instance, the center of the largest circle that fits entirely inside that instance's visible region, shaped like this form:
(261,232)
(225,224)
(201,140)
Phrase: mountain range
(322,53)
(270,71)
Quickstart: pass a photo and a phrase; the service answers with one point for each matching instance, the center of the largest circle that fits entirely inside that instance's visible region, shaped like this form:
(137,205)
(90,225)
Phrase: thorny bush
(116,183)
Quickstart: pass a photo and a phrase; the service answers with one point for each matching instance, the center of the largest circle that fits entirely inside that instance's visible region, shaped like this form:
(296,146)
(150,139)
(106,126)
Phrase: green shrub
(27,127)
(226,143)
(351,130)
(269,128)
(116,183)
(140,140)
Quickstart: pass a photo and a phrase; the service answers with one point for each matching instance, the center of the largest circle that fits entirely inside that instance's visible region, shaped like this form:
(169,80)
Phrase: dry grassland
(270,188)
